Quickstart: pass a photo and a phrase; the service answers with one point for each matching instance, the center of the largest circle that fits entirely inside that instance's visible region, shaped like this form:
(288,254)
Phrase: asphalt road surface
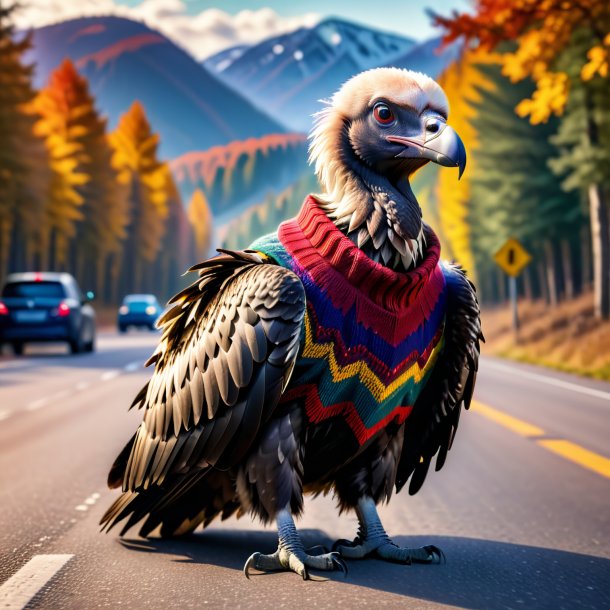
(521,509)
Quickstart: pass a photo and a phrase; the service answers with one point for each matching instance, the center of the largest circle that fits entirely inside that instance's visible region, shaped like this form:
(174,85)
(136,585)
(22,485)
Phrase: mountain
(236,176)
(428,57)
(125,60)
(287,75)
(224,58)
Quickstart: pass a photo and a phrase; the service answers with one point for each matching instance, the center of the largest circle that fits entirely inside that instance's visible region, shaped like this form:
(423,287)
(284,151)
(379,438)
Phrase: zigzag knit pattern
(370,336)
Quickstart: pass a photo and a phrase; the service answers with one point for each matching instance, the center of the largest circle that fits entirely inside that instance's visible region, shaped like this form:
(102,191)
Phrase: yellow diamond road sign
(512,257)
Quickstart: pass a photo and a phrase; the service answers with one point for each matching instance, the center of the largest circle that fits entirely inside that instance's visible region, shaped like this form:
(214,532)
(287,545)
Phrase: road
(521,509)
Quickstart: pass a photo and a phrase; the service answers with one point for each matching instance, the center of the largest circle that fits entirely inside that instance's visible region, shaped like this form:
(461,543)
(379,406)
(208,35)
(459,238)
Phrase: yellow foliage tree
(145,177)
(200,218)
(463,84)
(542,30)
(175,254)
(85,204)
(58,125)
(561,44)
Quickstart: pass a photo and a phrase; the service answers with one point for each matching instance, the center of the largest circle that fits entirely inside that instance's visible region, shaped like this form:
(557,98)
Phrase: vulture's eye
(383,114)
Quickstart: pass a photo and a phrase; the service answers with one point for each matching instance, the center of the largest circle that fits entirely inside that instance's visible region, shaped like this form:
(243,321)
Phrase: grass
(567,338)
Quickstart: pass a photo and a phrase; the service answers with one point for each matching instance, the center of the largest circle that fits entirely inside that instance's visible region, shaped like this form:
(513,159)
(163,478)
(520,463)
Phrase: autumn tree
(547,33)
(464,86)
(23,175)
(175,254)
(59,126)
(582,156)
(86,204)
(145,177)
(200,217)
(514,193)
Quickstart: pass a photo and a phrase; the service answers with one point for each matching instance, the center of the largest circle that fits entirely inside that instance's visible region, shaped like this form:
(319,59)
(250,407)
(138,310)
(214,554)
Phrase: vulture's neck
(381,218)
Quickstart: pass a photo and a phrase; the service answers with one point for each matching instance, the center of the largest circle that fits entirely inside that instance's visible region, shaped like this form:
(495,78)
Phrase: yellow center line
(579,455)
(566,449)
(508,421)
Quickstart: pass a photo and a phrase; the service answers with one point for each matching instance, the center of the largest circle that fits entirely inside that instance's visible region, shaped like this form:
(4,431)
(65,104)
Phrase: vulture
(332,356)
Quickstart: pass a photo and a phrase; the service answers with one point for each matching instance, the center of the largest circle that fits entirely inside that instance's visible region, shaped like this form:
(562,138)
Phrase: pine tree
(86,205)
(59,125)
(135,157)
(24,181)
(564,46)
(463,84)
(583,158)
(200,217)
(514,192)
(175,254)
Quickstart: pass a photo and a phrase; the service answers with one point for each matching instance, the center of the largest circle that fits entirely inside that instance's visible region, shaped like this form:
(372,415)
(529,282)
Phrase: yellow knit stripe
(368,378)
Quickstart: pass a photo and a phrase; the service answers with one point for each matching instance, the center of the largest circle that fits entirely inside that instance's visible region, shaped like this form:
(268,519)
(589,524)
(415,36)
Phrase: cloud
(202,35)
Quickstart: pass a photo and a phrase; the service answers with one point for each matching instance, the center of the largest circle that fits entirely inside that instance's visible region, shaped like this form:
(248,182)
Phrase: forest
(101,204)
(75,197)
(529,96)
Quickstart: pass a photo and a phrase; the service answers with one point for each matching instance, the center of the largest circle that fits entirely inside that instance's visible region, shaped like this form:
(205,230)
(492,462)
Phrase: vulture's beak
(442,146)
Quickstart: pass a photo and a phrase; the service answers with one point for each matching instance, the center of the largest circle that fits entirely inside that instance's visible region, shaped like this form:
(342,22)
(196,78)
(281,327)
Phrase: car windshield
(31,290)
(140,299)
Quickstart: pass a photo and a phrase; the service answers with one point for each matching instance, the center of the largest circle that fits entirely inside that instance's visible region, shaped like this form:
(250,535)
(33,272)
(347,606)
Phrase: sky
(204,27)
(406,17)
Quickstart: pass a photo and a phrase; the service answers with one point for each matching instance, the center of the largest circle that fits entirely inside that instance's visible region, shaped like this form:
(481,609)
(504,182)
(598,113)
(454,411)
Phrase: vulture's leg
(372,541)
(291,554)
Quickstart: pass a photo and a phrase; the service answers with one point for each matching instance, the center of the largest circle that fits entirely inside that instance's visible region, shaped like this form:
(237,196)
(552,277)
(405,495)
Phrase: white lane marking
(133,366)
(567,385)
(37,404)
(5,414)
(108,375)
(22,586)
(41,402)
(90,501)
(15,364)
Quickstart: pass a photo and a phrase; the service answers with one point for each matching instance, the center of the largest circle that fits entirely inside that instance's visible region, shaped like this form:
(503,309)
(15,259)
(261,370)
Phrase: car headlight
(123,309)
(151,310)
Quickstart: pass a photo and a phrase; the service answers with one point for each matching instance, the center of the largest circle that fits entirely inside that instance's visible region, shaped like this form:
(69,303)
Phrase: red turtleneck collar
(391,302)
(317,239)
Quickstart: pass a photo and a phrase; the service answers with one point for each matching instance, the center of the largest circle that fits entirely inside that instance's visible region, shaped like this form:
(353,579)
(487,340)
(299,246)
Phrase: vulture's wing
(228,347)
(432,425)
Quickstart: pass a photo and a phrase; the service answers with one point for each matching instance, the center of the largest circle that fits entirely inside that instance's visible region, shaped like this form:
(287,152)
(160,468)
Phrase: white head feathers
(403,87)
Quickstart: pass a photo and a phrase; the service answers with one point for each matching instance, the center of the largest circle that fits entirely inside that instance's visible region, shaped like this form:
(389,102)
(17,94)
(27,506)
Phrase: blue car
(46,306)
(139,310)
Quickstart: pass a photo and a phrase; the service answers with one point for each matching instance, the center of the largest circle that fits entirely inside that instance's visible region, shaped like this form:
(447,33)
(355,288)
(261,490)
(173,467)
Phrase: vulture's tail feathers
(178,506)
(117,471)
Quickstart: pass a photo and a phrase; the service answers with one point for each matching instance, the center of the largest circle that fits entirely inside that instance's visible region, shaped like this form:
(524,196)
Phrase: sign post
(512,258)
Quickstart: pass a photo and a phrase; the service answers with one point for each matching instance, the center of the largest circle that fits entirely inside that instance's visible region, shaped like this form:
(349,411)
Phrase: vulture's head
(375,132)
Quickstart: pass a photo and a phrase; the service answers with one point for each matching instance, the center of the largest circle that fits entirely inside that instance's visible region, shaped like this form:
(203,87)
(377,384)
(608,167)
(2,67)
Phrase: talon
(339,563)
(249,563)
(436,554)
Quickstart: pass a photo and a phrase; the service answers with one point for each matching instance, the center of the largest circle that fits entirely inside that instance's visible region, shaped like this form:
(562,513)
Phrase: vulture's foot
(291,554)
(373,541)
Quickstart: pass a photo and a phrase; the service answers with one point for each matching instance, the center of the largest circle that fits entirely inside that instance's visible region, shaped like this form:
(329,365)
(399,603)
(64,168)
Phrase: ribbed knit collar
(318,243)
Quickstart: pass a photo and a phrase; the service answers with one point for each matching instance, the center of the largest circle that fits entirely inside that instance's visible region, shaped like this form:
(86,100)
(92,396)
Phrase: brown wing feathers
(227,350)
(431,428)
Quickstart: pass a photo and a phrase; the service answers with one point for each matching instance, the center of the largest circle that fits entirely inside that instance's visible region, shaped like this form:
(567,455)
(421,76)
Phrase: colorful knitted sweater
(370,335)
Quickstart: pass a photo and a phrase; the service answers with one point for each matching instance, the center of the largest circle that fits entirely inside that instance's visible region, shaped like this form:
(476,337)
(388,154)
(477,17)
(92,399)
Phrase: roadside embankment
(566,337)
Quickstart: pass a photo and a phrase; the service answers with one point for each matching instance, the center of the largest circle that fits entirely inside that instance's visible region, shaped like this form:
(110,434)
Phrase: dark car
(46,306)
(139,310)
